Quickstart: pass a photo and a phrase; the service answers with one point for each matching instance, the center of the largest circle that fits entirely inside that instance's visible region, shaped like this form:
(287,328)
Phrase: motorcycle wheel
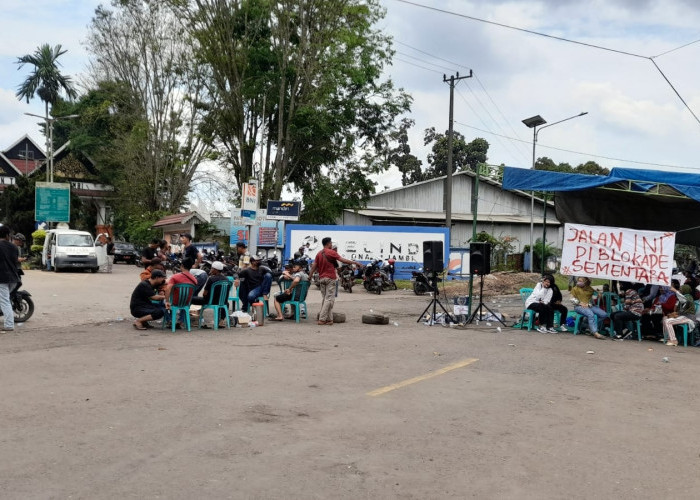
(378,290)
(393,285)
(419,288)
(23,309)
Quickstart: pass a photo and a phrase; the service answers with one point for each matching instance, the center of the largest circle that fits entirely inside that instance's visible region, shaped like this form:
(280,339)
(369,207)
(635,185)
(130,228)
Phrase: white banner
(618,254)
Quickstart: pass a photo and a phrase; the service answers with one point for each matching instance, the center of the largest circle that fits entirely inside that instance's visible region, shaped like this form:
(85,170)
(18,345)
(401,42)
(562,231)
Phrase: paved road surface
(93,409)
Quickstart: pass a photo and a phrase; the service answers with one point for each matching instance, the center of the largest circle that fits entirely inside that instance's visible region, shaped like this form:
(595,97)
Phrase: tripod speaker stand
(432,281)
(481,306)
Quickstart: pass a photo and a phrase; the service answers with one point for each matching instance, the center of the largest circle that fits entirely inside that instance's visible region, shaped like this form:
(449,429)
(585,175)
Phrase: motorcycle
(388,271)
(421,283)
(346,273)
(373,280)
(22,304)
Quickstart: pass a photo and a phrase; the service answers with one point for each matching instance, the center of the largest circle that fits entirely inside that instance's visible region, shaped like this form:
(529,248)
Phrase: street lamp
(534,122)
(49,142)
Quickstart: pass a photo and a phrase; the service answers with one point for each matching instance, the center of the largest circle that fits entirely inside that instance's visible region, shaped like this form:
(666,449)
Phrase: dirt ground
(496,284)
(92,408)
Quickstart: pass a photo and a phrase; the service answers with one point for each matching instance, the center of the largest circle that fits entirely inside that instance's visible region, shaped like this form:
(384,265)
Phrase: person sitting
(684,316)
(632,309)
(156,263)
(582,296)
(254,281)
(215,275)
(663,304)
(183,277)
(296,275)
(149,253)
(142,306)
(538,301)
(649,294)
(555,304)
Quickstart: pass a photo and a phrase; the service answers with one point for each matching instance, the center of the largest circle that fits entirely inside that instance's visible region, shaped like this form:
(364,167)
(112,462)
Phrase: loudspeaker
(480,258)
(433,257)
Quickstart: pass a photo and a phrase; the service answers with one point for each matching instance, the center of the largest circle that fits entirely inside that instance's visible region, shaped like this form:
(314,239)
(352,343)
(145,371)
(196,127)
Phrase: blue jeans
(250,296)
(592,313)
(6,305)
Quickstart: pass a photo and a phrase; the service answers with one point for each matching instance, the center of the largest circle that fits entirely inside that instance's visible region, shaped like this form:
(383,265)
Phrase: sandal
(672,344)
(598,335)
(277,319)
(139,326)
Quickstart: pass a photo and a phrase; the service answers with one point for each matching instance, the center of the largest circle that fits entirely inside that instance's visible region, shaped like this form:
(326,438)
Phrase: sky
(634,120)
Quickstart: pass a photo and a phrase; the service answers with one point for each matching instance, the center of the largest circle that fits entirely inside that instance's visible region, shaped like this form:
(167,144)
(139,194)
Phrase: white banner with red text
(618,254)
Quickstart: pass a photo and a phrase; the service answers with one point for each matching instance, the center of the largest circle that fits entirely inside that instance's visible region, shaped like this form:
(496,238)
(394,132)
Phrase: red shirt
(326,266)
(182,277)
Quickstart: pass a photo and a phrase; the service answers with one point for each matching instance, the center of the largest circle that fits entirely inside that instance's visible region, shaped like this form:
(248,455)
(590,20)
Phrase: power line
(583,154)
(418,65)
(424,61)
(562,39)
(677,48)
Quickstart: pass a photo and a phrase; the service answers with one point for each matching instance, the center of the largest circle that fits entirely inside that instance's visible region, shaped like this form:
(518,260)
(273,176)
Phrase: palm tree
(47,81)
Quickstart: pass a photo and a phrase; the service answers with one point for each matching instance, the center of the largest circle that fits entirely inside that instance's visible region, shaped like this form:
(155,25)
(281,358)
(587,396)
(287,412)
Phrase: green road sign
(52,202)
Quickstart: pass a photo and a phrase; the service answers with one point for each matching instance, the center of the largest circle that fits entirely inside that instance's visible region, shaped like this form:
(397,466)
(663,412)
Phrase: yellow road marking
(404,383)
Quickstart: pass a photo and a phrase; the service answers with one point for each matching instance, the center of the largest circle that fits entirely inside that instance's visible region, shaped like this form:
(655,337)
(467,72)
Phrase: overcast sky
(634,116)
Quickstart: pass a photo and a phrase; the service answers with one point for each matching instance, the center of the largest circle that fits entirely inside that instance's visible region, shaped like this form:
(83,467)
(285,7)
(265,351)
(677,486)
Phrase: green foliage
(541,248)
(400,156)
(45,80)
(17,205)
(38,237)
(207,232)
(501,248)
(464,155)
(589,168)
(137,227)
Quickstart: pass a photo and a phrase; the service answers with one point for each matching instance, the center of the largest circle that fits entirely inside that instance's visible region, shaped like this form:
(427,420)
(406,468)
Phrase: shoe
(672,344)
(598,335)
(552,330)
(542,329)
(321,322)
(6,330)
(563,328)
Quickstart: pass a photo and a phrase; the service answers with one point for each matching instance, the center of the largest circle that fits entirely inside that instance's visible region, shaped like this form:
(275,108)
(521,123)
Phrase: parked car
(125,252)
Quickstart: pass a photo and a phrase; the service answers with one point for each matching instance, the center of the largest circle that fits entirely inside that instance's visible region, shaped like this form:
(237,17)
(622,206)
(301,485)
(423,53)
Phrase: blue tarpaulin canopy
(636,199)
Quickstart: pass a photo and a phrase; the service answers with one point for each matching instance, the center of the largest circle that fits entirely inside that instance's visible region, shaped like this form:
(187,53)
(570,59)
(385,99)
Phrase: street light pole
(534,122)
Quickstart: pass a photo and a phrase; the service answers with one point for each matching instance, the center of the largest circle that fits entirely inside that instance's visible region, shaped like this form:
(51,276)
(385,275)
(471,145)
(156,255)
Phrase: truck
(69,249)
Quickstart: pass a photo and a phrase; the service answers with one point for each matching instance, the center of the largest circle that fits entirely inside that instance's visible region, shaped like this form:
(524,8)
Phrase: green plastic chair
(180,300)
(233,294)
(298,297)
(530,320)
(218,301)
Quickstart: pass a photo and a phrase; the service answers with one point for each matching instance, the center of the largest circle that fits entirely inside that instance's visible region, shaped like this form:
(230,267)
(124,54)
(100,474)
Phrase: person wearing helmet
(19,240)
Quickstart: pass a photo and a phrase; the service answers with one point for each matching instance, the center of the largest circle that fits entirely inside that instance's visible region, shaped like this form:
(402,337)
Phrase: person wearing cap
(296,276)
(18,239)
(215,275)
(142,306)
(255,281)
(243,255)
(326,262)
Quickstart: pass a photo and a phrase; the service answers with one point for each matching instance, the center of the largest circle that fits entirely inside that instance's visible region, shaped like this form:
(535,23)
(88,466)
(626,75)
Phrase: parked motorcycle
(346,272)
(388,271)
(373,279)
(421,284)
(22,304)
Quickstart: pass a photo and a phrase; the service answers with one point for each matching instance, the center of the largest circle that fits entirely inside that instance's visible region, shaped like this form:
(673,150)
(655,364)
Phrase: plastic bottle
(259,313)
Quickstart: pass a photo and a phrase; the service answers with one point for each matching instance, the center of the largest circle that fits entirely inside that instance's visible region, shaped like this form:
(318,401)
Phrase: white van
(69,249)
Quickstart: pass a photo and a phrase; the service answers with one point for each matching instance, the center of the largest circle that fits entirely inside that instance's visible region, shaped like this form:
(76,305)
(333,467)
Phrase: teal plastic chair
(180,300)
(233,295)
(527,318)
(298,299)
(218,301)
(683,327)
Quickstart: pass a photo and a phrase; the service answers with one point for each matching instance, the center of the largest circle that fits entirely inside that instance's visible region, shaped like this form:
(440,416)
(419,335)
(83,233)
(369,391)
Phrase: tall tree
(591,167)
(464,155)
(46,80)
(141,44)
(298,86)
(400,156)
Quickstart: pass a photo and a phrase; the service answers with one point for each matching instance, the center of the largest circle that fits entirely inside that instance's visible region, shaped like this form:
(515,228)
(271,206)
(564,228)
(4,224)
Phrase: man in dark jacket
(9,257)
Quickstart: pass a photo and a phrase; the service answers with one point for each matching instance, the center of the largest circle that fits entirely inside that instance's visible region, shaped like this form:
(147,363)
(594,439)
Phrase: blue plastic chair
(218,301)
(233,295)
(298,299)
(180,300)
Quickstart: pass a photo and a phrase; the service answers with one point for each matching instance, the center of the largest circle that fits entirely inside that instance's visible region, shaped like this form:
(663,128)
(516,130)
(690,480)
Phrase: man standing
(149,253)
(109,247)
(326,262)
(190,250)
(141,305)
(255,281)
(9,257)
(243,255)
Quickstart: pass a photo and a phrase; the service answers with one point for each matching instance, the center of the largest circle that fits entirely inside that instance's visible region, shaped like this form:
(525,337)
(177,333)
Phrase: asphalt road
(91,408)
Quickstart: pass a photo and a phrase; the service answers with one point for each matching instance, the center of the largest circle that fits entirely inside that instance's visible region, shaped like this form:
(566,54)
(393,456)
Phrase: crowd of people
(150,300)
(658,309)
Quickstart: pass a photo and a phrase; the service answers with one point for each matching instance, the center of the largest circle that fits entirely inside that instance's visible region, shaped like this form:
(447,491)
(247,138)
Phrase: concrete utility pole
(447,198)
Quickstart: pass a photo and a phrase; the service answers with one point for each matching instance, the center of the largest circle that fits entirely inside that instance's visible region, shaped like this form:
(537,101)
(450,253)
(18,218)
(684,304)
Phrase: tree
(142,45)
(592,168)
(296,83)
(464,155)
(400,156)
(548,164)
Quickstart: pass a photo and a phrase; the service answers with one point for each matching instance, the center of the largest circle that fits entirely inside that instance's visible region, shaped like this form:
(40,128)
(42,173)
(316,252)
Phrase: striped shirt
(633,303)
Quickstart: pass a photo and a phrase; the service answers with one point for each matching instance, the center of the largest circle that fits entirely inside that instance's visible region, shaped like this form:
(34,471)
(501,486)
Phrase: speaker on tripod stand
(480,264)
(434,264)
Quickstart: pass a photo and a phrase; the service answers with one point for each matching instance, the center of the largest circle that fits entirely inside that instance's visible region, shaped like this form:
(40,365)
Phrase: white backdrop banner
(618,254)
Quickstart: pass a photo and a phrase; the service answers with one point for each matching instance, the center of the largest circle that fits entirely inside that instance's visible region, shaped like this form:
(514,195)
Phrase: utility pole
(447,198)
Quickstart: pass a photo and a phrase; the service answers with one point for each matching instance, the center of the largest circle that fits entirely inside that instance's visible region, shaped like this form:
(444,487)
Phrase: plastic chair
(180,300)
(683,327)
(298,297)
(524,294)
(218,301)
(233,294)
